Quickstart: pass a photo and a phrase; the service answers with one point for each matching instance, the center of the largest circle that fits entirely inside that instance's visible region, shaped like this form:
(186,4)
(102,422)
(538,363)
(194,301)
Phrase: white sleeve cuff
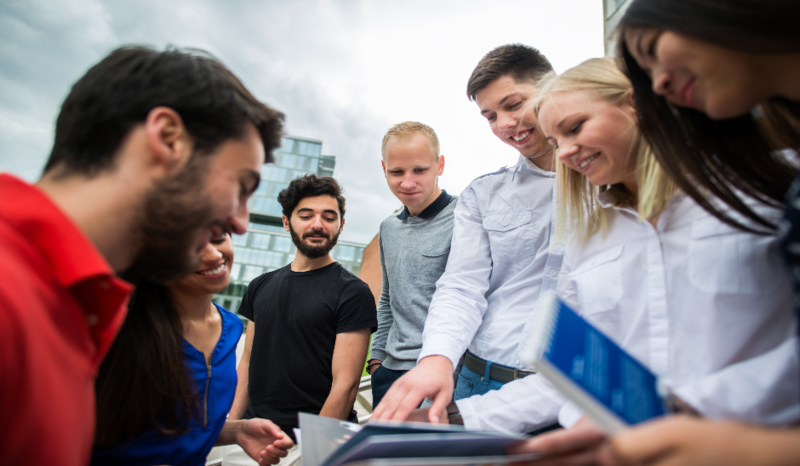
(569,415)
(469,414)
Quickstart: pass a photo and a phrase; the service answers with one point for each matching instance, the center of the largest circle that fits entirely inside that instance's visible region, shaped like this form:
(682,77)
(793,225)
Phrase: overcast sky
(342,71)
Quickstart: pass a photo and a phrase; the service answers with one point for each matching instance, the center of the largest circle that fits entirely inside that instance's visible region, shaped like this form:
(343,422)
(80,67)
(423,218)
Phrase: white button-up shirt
(703,305)
(500,262)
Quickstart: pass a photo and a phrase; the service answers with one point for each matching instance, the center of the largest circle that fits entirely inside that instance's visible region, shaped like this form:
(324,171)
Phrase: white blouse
(705,306)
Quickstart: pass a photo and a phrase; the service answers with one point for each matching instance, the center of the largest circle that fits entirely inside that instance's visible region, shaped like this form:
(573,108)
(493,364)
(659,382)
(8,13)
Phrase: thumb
(439,406)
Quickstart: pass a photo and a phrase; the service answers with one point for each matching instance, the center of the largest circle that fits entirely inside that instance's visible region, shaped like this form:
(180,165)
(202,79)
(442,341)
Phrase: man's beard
(174,212)
(313,252)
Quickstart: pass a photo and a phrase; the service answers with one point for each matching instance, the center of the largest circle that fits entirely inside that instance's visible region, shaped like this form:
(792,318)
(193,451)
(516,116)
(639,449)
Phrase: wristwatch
(454,415)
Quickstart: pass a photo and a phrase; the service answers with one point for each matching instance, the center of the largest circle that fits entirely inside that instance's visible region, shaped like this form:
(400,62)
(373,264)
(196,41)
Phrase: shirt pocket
(433,261)
(599,281)
(511,235)
(724,259)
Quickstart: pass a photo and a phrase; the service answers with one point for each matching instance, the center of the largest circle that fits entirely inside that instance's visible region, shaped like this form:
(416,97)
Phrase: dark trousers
(382,379)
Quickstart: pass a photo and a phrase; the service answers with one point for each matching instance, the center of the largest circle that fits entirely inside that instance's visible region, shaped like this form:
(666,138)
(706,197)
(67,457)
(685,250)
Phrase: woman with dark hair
(168,382)
(717,93)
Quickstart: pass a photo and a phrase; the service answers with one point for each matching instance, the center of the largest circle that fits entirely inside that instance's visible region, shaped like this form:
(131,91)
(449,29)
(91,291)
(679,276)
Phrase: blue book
(608,384)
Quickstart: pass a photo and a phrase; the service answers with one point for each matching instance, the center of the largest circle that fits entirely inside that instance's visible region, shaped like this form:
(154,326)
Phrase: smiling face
(506,104)
(412,169)
(593,137)
(214,272)
(721,82)
(315,225)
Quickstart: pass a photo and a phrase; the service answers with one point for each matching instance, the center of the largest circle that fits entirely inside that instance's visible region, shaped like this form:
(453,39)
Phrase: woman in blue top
(168,382)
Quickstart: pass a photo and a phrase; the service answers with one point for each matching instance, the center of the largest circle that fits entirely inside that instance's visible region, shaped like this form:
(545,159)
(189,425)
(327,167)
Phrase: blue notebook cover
(601,368)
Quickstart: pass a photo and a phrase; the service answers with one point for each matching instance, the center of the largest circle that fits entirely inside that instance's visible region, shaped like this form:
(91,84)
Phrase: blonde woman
(669,282)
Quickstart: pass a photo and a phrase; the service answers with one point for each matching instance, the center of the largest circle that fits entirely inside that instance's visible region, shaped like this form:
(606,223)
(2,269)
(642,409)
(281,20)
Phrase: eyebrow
(513,94)
(326,211)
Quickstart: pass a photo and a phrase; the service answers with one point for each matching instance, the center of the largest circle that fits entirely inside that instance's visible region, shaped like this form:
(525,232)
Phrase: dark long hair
(143,383)
(722,159)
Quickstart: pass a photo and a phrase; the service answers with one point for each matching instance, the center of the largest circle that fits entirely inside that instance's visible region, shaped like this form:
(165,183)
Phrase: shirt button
(92,320)
(505,223)
(553,272)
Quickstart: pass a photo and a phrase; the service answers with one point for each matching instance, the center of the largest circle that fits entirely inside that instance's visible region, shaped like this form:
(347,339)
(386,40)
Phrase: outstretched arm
(349,354)
(259,438)
(242,398)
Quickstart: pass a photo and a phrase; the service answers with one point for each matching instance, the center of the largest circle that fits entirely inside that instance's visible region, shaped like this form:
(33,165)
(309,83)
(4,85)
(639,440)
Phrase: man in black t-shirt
(310,322)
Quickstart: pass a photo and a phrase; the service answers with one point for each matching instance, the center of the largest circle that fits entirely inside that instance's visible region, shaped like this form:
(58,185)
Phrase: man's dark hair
(309,186)
(521,62)
(118,93)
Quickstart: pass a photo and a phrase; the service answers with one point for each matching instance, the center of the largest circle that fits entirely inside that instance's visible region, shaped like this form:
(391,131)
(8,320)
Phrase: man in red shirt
(155,154)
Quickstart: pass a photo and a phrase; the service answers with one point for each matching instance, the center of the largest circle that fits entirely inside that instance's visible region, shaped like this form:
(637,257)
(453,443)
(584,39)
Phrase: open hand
(263,441)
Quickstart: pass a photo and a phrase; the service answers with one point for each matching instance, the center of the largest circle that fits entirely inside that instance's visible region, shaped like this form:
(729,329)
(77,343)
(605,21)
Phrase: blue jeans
(471,383)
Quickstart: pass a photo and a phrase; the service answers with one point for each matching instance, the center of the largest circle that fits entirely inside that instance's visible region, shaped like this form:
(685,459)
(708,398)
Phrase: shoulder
(230,319)
(350,282)
(390,221)
(265,278)
(491,177)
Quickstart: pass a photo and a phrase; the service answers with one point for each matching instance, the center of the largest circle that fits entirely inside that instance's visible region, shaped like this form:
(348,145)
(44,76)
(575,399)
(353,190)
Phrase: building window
(346,253)
(240,240)
(235,268)
(260,240)
(251,272)
(282,244)
(273,173)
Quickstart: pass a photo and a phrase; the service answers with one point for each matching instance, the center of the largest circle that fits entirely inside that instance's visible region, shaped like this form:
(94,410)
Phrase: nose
(210,254)
(408,181)
(662,81)
(506,120)
(237,223)
(567,150)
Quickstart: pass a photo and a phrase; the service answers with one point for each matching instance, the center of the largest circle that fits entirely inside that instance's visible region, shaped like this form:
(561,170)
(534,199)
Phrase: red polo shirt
(60,309)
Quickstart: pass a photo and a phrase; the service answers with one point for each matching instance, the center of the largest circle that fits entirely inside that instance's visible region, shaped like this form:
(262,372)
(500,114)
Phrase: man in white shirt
(500,263)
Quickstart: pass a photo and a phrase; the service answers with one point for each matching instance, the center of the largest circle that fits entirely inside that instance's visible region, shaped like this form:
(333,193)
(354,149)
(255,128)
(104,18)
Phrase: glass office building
(267,246)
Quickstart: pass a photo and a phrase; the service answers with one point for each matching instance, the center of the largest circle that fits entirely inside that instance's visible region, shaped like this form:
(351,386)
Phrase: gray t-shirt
(414,253)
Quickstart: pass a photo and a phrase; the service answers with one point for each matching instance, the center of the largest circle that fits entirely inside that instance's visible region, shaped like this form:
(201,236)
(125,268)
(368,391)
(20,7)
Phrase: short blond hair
(405,130)
(579,213)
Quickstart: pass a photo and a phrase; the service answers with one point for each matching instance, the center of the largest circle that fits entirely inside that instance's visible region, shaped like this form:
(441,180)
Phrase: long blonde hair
(579,213)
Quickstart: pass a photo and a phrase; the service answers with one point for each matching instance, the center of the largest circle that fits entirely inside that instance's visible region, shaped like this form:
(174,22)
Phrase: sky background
(342,71)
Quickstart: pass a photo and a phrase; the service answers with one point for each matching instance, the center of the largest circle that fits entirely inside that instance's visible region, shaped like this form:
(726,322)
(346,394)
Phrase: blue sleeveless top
(216,387)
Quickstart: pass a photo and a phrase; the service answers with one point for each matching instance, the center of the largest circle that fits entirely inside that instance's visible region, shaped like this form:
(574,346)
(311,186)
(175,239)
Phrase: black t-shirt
(297,317)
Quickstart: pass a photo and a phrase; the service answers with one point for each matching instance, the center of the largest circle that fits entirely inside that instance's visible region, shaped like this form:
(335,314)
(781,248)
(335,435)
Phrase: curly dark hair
(521,62)
(309,186)
(117,93)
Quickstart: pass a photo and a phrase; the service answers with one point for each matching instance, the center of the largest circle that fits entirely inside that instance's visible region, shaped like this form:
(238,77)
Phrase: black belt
(498,372)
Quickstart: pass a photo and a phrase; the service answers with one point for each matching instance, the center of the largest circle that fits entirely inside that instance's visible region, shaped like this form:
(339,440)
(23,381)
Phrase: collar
(432,210)
(75,262)
(523,163)
(73,257)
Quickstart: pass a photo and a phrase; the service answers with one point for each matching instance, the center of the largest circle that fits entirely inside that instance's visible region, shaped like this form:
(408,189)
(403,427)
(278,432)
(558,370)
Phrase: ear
(383,164)
(441,165)
(629,105)
(341,227)
(285,222)
(167,138)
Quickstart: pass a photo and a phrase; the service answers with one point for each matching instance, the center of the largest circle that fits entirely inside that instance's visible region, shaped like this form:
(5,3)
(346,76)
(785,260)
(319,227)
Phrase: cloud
(342,71)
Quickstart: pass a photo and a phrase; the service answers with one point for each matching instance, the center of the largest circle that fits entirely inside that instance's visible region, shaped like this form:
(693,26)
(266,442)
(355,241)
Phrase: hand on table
(432,379)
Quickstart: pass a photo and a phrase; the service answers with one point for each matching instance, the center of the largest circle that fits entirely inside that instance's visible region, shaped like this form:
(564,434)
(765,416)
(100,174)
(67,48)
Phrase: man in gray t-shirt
(414,245)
